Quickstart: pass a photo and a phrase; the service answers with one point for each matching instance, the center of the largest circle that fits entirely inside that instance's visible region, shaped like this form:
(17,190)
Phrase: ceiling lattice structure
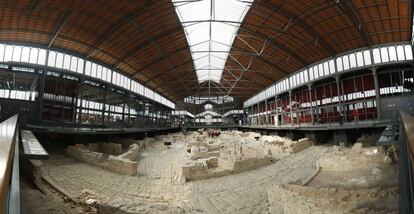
(279,37)
(146,40)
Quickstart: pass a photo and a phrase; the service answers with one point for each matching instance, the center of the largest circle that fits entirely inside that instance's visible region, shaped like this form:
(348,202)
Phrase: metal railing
(406,184)
(326,119)
(9,166)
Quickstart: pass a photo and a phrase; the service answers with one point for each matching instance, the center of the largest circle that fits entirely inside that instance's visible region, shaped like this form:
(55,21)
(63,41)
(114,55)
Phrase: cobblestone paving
(158,180)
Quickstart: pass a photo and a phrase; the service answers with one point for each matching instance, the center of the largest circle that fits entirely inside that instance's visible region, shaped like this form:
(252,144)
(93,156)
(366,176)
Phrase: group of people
(213,133)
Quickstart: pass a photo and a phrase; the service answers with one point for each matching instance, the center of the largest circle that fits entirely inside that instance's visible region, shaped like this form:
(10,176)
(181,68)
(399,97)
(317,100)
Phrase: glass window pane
(52,59)
(339,64)
(99,72)
(80,66)
(384,55)
(367,57)
(88,68)
(320,69)
(33,55)
(42,57)
(326,68)
(93,70)
(331,66)
(393,53)
(25,54)
(352,61)
(305,74)
(104,70)
(8,54)
(377,55)
(360,59)
(400,52)
(59,60)
(66,62)
(17,53)
(1,52)
(315,72)
(346,62)
(73,63)
(311,77)
(408,52)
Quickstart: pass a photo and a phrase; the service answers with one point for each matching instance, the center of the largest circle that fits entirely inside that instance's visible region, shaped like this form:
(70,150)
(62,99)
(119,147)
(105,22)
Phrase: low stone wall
(105,161)
(132,153)
(251,163)
(108,148)
(196,171)
(294,199)
(277,144)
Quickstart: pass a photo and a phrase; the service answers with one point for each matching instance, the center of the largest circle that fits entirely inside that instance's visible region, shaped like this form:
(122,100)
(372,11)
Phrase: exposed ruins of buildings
(171,174)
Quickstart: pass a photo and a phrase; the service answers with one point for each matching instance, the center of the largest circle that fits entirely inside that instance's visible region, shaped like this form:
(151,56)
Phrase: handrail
(406,162)
(408,126)
(8,133)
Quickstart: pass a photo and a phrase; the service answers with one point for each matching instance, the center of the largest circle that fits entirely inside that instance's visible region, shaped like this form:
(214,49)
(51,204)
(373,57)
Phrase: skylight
(210,27)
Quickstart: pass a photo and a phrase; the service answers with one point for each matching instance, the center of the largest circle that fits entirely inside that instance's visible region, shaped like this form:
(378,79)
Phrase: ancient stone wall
(108,148)
(105,161)
(132,153)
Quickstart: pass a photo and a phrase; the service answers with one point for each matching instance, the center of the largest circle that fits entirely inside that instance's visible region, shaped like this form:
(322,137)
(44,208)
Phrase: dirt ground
(33,201)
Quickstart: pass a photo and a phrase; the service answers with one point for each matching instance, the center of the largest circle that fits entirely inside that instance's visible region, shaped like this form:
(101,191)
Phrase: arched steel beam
(302,24)
(353,17)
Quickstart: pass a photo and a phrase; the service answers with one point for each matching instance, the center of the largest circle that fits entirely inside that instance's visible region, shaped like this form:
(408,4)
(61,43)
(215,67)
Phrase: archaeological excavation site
(206,106)
(212,171)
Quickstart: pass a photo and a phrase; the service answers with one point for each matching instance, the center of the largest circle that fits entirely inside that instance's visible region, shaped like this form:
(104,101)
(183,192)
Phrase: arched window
(339,64)
(315,72)
(88,68)
(377,55)
(41,59)
(99,72)
(66,62)
(320,68)
(52,59)
(326,68)
(393,53)
(33,55)
(80,66)
(104,70)
(73,63)
(305,76)
(8,53)
(360,59)
(25,54)
(408,52)
(352,61)
(332,68)
(17,53)
(346,62)
(367,57)
(59,60)
(384,55)
(93,70)
(311,77)
(400,53)
(1,52)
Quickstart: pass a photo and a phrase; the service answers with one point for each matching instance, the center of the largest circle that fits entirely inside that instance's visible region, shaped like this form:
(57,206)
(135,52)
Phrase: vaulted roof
(145,39)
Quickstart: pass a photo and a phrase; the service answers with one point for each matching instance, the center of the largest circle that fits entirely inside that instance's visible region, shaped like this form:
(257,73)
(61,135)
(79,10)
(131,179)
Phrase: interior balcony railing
(406,187)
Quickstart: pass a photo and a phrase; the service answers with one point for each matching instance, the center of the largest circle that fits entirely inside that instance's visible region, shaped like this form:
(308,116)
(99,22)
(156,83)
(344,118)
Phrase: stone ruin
(351,180)
(234,152)
(111,156)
